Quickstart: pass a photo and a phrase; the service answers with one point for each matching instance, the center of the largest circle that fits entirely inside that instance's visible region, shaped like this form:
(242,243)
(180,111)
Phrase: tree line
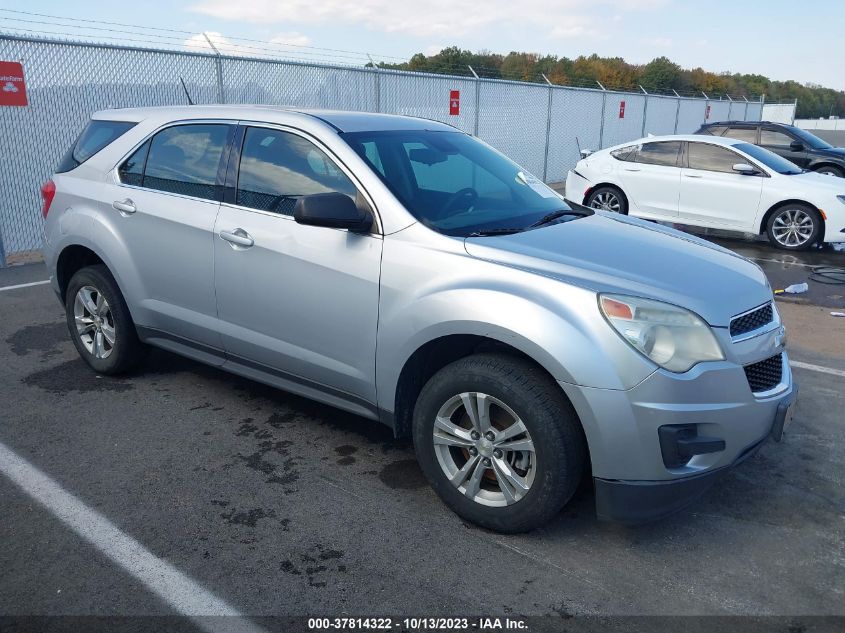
(661,76)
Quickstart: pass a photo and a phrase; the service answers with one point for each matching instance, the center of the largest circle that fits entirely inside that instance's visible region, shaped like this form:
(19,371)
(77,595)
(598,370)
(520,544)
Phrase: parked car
(405,271)
(714,182)
(799,146)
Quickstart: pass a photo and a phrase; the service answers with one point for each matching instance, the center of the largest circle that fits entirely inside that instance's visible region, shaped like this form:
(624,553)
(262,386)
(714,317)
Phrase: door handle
(632,169)
(692,176)
(126,207)
(238,237)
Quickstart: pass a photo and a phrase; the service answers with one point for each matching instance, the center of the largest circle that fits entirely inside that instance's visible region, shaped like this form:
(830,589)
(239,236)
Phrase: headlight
(674,338)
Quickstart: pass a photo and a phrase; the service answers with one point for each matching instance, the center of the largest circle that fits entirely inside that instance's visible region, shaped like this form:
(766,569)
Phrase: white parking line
(818,368)
(175,588)
(32,283)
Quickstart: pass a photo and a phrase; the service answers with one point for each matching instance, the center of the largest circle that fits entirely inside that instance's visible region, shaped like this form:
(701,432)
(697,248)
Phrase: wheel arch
(765,221)
(612,185)
(432,356)
(824,162)
(71,259)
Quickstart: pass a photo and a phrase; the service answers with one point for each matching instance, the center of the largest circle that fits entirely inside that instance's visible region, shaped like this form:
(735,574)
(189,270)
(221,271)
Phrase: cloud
(291,38)
(432,18)
(224,45)
(659,42)
(433,49)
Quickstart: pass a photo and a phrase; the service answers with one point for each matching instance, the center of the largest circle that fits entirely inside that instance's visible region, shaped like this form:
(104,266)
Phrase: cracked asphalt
(281,506)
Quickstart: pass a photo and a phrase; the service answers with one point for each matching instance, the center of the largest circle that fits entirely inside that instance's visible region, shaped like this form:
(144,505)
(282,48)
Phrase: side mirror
(796,146)
(745,169)
(332,210)
(586,153)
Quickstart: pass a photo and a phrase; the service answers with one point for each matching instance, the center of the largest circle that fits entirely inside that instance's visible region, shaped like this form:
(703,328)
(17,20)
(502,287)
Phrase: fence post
(603,107)
(794,111)
(677,110)
(706,106)
(548,131)
(645,111)
(218,64)
(2,252)
(378,83)
(477,98)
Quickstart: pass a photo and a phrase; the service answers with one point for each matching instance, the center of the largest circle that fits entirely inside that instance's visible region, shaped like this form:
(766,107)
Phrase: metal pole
(645,111)
(378,83)
(221,97)
(477,98)
(603,108)
(706,105)
(548,131)
(677,113)
(2,252)
(795,109)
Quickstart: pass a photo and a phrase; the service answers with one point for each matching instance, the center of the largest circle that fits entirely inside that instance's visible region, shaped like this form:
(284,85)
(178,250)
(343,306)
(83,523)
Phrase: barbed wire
(230,46)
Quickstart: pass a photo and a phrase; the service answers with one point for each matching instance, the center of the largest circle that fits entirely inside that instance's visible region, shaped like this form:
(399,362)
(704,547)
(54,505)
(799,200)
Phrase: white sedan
(714,182)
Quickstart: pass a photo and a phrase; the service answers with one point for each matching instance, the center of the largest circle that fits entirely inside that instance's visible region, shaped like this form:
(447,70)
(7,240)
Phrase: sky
(776,38)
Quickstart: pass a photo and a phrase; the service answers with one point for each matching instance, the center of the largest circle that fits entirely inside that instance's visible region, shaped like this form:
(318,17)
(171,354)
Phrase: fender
(559,326)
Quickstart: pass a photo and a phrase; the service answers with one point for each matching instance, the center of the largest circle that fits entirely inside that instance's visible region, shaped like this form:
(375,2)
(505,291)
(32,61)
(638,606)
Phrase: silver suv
(409,273)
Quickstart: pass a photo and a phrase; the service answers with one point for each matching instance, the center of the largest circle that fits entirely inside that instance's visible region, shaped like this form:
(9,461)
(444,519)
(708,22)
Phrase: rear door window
(747,134)
(664,153)
(183,159)
(96,135)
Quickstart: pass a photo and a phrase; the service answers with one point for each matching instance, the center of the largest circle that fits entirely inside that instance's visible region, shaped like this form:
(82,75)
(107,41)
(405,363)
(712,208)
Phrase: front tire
(99,322)
(831,170)
(794,227)
(499,442)
(607,198)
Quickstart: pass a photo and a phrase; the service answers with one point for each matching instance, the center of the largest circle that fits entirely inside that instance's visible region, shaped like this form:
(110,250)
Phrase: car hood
(614,253)
(820,183)
(837,152)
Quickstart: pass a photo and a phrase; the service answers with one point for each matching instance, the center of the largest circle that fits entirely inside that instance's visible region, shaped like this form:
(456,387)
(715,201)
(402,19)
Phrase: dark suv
(799,146)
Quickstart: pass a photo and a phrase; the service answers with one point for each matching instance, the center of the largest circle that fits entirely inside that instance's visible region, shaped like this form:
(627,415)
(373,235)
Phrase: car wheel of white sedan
(608,199)
(794,227)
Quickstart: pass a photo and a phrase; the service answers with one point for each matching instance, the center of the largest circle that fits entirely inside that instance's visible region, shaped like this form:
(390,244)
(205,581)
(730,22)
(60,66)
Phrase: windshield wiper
(502,231)
(551,217)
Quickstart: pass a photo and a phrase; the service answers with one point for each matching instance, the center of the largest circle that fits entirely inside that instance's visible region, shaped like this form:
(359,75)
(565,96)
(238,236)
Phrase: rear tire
(531,471)
(607,198)
(831,170)
(99,322)
(794,227)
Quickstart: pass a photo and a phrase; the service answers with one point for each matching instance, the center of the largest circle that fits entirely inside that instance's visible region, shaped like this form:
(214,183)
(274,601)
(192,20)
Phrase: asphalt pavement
(181,485)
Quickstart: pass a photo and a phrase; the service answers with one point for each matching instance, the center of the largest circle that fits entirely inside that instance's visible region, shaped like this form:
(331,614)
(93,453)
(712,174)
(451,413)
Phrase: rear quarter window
(96,135)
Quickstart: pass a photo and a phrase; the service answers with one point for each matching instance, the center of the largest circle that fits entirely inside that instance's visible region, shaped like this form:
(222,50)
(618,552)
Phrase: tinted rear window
(95,136)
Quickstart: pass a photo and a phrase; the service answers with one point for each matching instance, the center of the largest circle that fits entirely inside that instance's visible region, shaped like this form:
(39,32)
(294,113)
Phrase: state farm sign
(12,84)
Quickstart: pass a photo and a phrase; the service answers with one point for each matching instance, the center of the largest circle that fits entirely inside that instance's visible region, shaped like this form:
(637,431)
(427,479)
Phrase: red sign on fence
(621,109)
(454,102)
(707,113)
(12,84)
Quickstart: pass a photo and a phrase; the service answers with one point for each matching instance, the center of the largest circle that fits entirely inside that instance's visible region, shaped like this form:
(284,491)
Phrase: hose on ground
(827,275)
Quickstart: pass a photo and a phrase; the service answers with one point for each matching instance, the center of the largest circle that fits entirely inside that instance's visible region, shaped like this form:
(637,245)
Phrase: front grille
(752,320)
(764,375)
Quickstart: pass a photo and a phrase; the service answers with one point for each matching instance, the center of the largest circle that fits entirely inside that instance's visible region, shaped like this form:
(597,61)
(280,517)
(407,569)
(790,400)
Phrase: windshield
(810,140)
(769,159)
(454,183)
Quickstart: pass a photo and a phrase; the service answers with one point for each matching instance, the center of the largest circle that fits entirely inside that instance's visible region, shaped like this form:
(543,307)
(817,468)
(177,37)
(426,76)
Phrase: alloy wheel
(484,449)
(94,322)
(607,201)
(793,227)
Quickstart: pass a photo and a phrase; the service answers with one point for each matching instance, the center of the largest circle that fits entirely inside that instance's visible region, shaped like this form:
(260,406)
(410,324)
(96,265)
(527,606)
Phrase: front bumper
(635,502)
(632,479)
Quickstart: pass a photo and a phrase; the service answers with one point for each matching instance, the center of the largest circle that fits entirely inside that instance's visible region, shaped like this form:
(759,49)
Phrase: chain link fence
(540,126)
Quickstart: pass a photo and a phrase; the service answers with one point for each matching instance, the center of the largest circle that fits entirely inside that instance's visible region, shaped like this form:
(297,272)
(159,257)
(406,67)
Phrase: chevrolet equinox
(407,272)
